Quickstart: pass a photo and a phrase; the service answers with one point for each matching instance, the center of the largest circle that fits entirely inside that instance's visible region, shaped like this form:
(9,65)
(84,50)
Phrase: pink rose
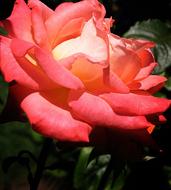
(73,76)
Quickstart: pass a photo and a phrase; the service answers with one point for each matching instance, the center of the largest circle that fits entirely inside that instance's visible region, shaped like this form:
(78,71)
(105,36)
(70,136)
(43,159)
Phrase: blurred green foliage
(16,137)
(88,172)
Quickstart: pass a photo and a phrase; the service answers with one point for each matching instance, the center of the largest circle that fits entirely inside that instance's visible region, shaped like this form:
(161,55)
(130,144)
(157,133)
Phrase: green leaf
(3,31)
(81,166)
(168,84)
(158,32)
(120,180)
(88,172)
(15,137)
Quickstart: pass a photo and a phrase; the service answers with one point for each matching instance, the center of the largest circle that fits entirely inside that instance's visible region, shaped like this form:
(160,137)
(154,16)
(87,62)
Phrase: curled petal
(19,23)
(117,84)
(88,44)
(52,121)
(138,44)
(152,83)
(10,67)
(53,70)
(70,30)
(134,104)
(46,11)
(25,72)
(125,63)
(57,72)
(90,74)
(38,27)
(68,11)
(97,112)
(145,71)
(146,57)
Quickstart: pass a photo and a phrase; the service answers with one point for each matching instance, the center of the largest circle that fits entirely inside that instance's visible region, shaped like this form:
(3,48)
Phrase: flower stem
(41,164)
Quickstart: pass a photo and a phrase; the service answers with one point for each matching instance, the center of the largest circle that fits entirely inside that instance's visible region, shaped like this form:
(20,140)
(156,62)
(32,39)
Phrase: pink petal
(153,81)
(11,69)
(19,23)
(46,11)
(162,119)
(88,44)
(90,74)
(145,71)
(71,29)
(56,71)
(53,70)
(138,44)
(38,26)
(52,121)
(117,84)
(68,11)
(63,6)
(146,57)
(116,41)
(16,45)
(134,104)
(31,71)
(125,63)
(134,85)
(97,112)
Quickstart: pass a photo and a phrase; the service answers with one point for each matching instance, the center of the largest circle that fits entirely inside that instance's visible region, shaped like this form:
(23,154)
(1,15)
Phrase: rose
(72,76)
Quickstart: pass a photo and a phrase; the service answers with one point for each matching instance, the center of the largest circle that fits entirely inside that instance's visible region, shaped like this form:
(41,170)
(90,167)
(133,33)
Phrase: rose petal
(117,84)
(63,6)
(90,74)
(151,82)
(19,23)
(11,69)
(68,11)
(38,26)
(52,121)
(145,71)
(125,63)
(88,43)
(46,11)
(97,112)
(146,57)
(133,104)
(70,30)
(55,71)
(138,44)
(25,72)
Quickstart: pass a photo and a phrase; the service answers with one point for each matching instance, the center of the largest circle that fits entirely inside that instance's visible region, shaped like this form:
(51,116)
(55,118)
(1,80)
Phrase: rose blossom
(72,75)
